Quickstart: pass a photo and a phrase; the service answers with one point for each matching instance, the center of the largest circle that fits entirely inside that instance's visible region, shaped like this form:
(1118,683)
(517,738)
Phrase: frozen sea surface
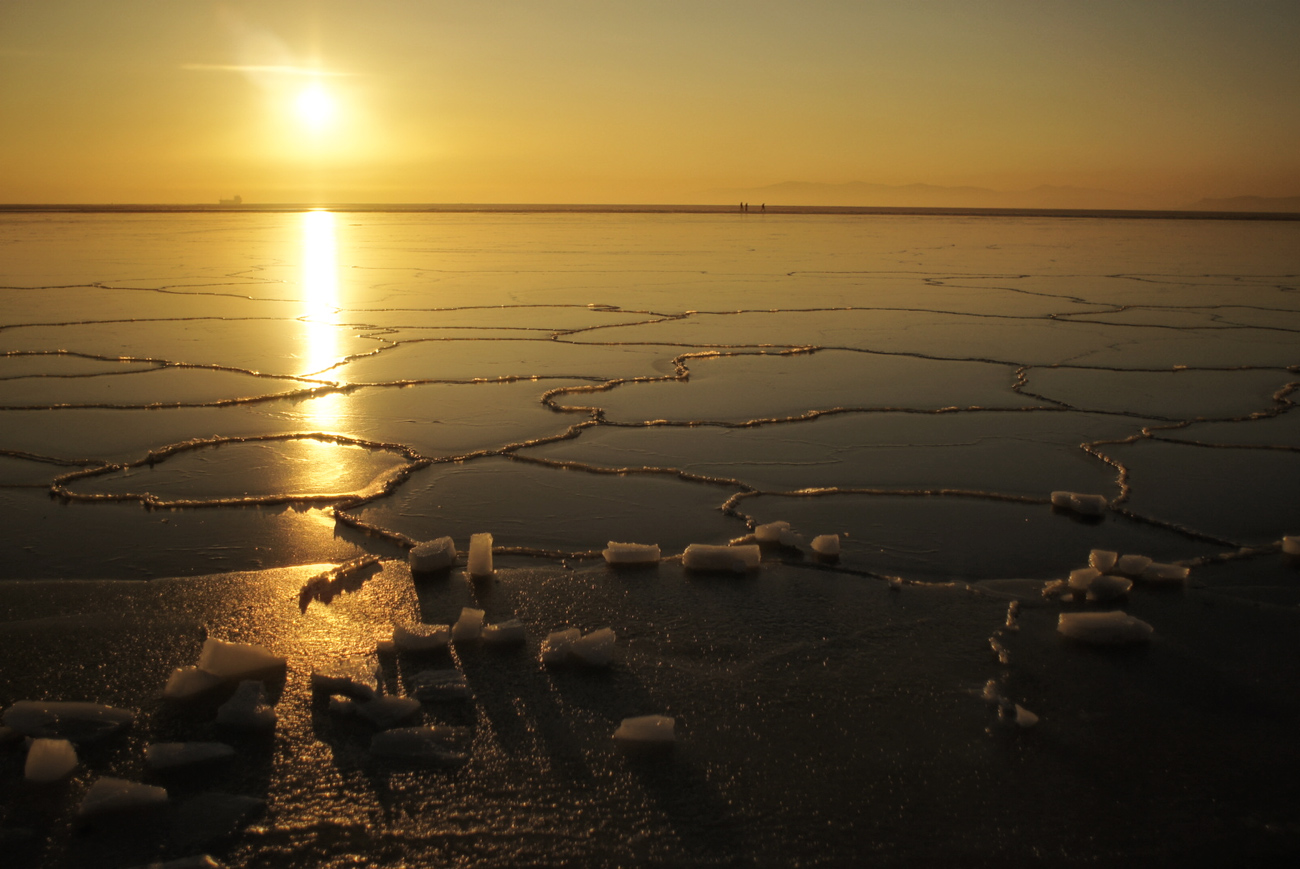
(199,413)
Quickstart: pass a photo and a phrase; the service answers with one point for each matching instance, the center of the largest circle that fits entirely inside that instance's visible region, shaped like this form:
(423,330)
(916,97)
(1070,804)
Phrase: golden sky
(177,101)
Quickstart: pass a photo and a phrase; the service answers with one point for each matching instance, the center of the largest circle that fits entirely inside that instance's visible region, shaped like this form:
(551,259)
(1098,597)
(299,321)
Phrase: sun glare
(315,107)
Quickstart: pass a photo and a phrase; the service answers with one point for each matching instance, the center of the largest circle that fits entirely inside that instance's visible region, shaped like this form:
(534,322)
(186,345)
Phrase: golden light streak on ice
(320,285)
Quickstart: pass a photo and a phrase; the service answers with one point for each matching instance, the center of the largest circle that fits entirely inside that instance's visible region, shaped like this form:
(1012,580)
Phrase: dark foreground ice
(237,425)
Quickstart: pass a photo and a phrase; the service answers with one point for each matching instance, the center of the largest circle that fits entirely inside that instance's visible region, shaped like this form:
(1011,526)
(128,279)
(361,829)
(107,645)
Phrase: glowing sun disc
(314,106)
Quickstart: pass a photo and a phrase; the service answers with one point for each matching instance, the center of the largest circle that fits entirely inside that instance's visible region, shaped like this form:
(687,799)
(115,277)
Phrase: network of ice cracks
(1032,346)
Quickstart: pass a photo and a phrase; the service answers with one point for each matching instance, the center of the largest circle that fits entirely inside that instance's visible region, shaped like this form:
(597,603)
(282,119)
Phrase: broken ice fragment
(1102,559)
(646,729)
(596,649)
(49,760)
(631,553)
(777,532)
(358,677)
(736,559)
(247,709)
(421,638)
(433,685)
(826,545)
(1291,545)
(433,555)
(186,683)
(555,648)
(427,744)
(1104,629)
(480,556)
(469,626)
(504,633)
(1131,565)
(383,712)
(1165,574)
(1025,718)
(1108,587)
(114,795)
(161,756)
(63,719)
(238,660)
(1084,505)
(1082,578)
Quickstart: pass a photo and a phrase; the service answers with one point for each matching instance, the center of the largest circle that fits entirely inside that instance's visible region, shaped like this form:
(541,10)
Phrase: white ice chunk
(646,728)
(771,532)
(1108,587)
(421,638)
(596,649)
(1082,578)
(1167,574)
(247,708)
(63,719)
(119,795)
(631,553)
(504,633)
(358,677)
(160,756)
(736,559)
(1104,629)
(428,744)
(1025,718)
(238,660)
(186,683)
(1131,565)
(1084,505)
(556,646)
(1291,545)
(433,555)
(1102,559)
(827,545)
(469,626)
(434,685)
(385,712)
(49,760)
(480,556)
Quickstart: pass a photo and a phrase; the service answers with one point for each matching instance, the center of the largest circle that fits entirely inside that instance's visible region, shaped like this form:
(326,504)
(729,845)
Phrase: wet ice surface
(230,405)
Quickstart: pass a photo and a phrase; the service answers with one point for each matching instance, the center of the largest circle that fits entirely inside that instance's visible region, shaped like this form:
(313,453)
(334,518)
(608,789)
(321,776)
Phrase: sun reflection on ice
(320,283)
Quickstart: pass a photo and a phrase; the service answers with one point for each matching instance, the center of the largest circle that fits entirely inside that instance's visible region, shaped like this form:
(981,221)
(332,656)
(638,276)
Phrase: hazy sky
(654,101)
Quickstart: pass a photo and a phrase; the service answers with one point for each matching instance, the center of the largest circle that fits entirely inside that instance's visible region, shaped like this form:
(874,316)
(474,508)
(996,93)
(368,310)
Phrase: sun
(315,107)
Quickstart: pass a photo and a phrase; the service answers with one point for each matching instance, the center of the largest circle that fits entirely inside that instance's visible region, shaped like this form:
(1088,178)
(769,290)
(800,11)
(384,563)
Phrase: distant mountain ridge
(1249,203)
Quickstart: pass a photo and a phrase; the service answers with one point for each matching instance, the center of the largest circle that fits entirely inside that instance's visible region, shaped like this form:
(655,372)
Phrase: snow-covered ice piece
(1291,544)
(186,683)
(826,545)
(631,553)
(247,708)
(480,556)
(1164,574)
(114,795)
(555,648)
(421,638)
(1084,505)
(49,760)
(357,677)
(647,728)
(161,756)
(1104,629)
(1081,578)
(1024,718)
(427,744)
(1131,565)
(385,712)
(504,633)
(64,719)
(469,626)
(777,532)
(433,555)
(736,559)
(596,649)
(434,685)
(1102,559)
(1108,587)
(238,660)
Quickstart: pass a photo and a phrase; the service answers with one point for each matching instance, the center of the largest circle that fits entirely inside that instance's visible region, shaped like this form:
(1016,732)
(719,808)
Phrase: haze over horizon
(1158,104)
